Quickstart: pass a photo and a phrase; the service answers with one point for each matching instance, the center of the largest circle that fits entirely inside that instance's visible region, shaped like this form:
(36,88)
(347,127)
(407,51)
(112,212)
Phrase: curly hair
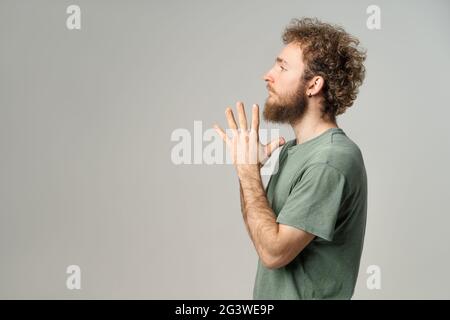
(333,54)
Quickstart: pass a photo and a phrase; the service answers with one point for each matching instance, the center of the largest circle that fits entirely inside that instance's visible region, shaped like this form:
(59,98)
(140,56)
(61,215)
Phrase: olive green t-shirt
(320,187)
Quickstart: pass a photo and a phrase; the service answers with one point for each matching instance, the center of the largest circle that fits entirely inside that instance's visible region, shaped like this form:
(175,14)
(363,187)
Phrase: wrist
(249,173)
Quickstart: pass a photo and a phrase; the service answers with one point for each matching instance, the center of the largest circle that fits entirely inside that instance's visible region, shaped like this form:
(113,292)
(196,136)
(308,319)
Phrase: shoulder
(341,154)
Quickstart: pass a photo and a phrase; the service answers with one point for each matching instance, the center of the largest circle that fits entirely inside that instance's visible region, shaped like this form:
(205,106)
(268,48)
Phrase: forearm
(243,208)
(259,217)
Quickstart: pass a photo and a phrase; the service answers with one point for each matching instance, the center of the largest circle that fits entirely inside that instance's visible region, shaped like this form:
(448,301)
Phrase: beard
(287,108)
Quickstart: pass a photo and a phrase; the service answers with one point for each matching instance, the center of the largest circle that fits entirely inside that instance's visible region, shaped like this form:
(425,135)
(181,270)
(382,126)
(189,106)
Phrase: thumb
(274,144)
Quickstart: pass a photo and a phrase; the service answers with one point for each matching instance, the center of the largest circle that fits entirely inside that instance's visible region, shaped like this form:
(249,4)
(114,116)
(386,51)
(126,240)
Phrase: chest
(281,183)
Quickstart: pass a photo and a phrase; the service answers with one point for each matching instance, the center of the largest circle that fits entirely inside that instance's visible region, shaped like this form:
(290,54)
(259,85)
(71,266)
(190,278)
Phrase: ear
(315,85)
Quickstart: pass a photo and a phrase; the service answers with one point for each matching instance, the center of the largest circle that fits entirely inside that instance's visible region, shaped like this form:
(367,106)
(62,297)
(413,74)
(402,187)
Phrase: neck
(311,125)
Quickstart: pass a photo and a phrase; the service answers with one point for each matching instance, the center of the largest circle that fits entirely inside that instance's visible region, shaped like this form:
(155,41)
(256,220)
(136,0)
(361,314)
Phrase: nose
(267,77)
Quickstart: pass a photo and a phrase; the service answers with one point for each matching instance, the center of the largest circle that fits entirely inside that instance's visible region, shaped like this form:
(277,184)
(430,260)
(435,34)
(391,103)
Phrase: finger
(272,146)
(230,119)
(221,133)
(255,117)
(241,114)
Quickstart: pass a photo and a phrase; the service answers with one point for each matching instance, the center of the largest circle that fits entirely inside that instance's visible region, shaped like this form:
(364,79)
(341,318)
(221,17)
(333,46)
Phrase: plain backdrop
(86,117)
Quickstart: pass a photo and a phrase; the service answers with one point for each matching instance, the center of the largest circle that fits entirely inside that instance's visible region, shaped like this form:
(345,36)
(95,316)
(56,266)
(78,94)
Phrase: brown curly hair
(333,54)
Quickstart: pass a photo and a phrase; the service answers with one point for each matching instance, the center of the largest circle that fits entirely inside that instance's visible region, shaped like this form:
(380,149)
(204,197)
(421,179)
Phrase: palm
(245,145)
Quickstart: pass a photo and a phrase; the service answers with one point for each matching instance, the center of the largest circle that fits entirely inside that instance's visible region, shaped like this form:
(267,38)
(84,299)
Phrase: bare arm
(259,219)
(276,244)
(243,210)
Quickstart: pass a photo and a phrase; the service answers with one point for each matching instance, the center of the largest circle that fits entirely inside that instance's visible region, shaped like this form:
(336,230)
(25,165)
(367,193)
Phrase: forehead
(292,54)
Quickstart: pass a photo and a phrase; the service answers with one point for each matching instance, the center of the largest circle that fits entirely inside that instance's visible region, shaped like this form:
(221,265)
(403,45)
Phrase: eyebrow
(280,60)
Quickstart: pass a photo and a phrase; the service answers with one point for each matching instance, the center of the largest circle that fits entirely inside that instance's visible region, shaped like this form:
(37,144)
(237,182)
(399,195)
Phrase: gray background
(86,116)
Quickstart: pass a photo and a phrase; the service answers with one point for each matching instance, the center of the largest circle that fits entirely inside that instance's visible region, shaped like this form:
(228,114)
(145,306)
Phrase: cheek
(292,84)
(286,86)
(286,83)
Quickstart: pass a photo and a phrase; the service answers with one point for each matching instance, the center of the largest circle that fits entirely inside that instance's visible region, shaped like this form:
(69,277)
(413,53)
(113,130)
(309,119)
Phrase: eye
(282,68)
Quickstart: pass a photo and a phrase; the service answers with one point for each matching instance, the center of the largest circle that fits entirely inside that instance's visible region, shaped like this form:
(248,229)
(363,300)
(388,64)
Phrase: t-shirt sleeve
(314,201)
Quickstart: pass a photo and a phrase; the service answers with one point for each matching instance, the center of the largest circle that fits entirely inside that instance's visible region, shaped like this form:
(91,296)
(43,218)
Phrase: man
(308,225)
